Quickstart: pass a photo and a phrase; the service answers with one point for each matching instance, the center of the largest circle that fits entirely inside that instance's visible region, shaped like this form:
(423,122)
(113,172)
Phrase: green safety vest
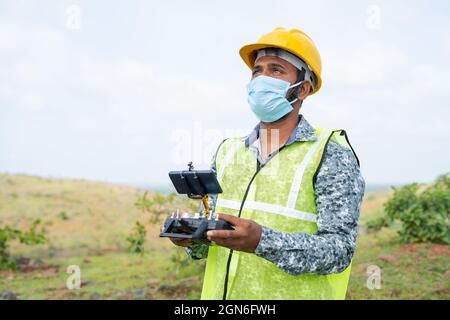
(279,196)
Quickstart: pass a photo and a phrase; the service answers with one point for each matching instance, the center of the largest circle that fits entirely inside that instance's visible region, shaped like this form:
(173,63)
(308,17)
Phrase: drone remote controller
(196,184)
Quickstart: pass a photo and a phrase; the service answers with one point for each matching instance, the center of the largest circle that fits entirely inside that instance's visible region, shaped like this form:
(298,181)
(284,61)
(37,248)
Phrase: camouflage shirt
(339,189)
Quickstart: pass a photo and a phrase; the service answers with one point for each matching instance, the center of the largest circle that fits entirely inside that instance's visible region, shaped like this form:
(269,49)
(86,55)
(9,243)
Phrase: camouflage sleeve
(197,251)
(339,189)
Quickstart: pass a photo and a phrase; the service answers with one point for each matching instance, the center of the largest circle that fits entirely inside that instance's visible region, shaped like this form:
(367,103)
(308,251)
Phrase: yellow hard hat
(293,41)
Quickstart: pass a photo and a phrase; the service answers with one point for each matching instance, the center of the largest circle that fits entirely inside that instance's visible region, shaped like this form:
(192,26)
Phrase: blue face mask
(267,98)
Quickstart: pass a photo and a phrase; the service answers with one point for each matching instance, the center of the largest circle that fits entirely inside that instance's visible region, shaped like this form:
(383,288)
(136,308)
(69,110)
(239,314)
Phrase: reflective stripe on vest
(295,188)
(267,207)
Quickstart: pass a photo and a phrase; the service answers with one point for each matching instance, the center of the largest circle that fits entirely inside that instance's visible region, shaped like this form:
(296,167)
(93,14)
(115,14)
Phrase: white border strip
(298,177)
(267,207)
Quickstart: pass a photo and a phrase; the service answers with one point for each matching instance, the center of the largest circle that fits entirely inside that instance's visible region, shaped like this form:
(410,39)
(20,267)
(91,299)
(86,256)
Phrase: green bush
(137,239)
(7,234)
(378,223)
(63,215)
(424,215)
(156,205)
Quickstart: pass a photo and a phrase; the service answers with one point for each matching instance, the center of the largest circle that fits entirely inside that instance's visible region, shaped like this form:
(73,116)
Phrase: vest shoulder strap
(224,153)
(339,136)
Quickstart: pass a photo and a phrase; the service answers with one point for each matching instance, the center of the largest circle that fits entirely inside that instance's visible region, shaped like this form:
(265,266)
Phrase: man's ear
(305,88)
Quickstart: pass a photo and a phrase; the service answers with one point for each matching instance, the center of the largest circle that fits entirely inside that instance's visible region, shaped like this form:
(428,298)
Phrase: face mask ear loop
(293,86)
(297,84)
(294,93)
(294,101)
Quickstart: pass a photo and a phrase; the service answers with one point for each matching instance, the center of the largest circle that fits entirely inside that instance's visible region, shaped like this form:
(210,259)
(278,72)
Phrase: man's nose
(265,72)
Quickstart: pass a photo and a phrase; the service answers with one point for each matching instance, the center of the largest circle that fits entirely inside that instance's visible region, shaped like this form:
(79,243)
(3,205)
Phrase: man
(293,192)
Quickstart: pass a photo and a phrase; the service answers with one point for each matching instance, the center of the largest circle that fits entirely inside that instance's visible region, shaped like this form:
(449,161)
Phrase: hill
(87,224)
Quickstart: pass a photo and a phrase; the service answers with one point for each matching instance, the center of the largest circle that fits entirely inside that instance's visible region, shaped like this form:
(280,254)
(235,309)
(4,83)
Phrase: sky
(125,91)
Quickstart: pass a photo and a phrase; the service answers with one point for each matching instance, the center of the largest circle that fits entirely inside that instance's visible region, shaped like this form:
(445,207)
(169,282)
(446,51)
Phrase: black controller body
(192,228)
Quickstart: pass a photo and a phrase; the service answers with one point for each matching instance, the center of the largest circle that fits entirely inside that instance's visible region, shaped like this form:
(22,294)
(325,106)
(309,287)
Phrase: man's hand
(178,241)
(181,242)
(244,238)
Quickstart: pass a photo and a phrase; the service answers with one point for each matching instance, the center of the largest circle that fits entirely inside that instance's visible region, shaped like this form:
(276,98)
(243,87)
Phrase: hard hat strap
(292,59)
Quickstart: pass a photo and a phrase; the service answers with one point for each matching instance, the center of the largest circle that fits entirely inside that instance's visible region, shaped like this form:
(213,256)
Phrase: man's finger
(227,243)
(224,242)
(221,234)
(178,240)
(181,242)
(235,221)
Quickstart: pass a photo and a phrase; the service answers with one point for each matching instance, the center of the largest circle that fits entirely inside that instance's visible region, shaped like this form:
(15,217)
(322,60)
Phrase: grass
(109,276)
(87,224)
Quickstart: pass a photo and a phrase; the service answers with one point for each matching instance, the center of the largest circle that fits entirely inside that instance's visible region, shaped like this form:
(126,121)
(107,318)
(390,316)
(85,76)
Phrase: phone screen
(198,182)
